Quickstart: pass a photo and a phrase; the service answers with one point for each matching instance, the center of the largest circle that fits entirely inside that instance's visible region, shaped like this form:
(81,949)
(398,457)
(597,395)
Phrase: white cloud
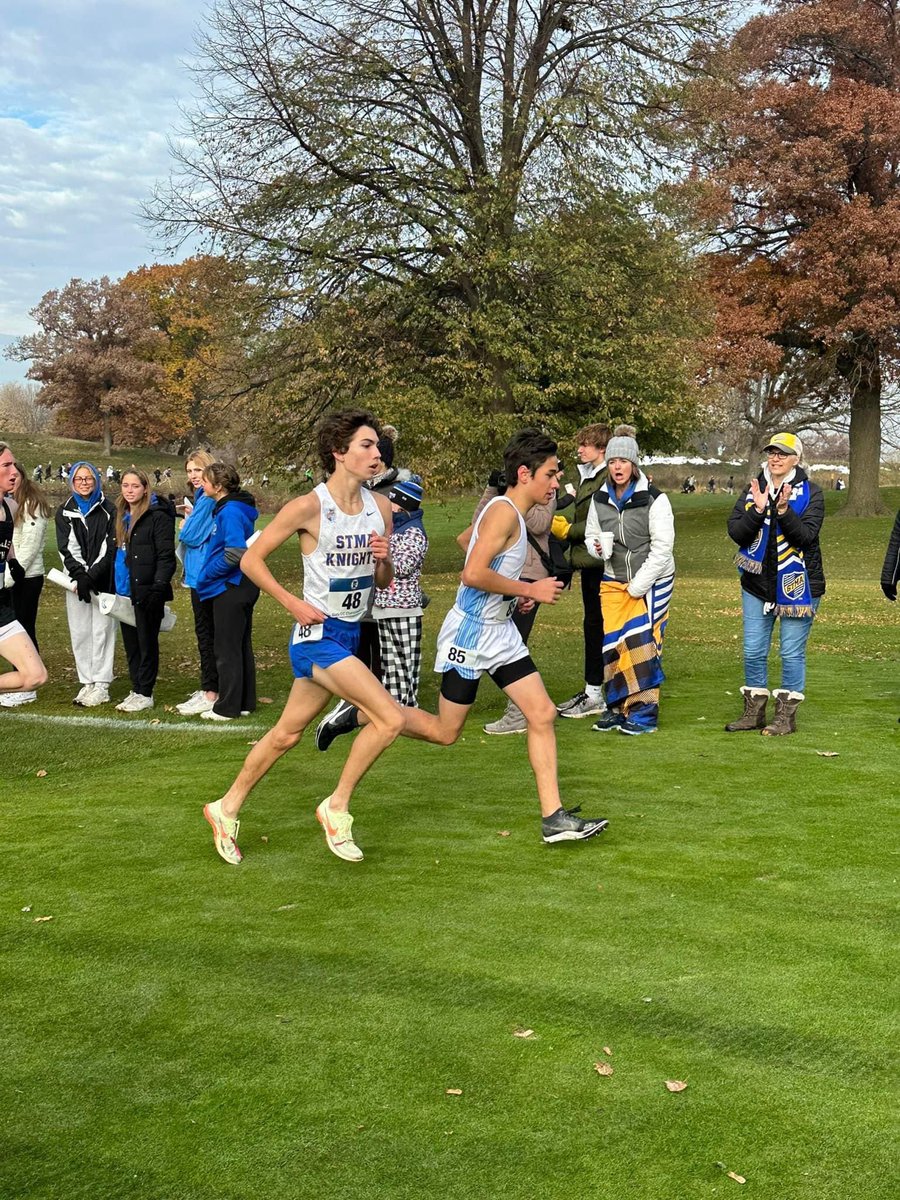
(89,91)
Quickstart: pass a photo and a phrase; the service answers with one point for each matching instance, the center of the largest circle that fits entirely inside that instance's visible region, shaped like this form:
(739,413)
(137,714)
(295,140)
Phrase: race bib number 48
(307,633)
(349,598)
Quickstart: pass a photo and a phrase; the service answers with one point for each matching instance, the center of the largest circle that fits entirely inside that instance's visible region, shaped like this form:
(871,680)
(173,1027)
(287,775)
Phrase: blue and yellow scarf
(793,597)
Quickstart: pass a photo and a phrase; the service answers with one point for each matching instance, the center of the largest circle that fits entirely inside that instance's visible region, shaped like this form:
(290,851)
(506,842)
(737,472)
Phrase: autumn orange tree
(204,309)
(800,154)
(93,353)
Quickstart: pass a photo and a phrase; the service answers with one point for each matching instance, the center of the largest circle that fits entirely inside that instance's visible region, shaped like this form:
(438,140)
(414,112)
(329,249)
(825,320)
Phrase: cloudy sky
(89,90)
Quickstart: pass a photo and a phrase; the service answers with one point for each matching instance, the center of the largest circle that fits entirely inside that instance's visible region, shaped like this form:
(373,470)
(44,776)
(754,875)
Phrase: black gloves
(84,587)
(155,597)
(16,570)
(890,590)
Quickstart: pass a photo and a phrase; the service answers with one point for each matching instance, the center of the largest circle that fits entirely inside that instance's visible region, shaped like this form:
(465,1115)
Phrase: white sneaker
(14,699)
(581,705)
(195,705)
(81,696)
(97,694)
(135,702)
(209,715)
(125,705)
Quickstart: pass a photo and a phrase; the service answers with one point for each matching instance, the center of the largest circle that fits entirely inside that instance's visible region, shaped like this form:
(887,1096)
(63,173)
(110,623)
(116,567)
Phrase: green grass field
(183,1030)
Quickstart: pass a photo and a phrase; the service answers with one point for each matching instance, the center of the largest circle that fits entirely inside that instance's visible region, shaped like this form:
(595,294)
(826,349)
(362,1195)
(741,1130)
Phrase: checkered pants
(400,644)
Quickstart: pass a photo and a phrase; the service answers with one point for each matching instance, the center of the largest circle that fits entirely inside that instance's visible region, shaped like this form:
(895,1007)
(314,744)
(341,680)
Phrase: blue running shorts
(321,645)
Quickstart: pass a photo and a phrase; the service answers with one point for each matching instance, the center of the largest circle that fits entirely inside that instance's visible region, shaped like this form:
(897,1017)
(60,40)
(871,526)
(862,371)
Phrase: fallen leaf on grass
(38,920)
(453,1092)
(523,1033)
(27,908)
(264,700)
(606,1050)
(156,721)
(603,1068)
(169,708)
(42,774)
(285,907)
(264,838)
(827,753)
(737,1178)
(502,833)
(254,742)
(675,1085)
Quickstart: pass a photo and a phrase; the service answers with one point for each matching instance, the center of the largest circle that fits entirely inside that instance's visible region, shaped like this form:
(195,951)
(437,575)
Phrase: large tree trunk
(863,497)
(107,435)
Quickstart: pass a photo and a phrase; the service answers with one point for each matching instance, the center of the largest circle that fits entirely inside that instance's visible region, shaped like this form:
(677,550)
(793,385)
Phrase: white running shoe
(225,831)
(97,695)
(125,705)
(14,699)
(581,705)
(135,702)
(337,827)
(512,721)
(81,696)
(195,705)
(211,715)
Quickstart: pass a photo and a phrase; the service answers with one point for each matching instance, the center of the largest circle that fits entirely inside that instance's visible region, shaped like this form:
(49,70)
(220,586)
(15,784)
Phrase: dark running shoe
(341,719)
(610,720)
(633,728)
(565,826)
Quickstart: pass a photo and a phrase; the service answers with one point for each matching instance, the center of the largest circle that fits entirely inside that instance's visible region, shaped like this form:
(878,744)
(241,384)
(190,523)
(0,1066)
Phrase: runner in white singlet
(344,534)
(478,633)
(16,646)
(479,636)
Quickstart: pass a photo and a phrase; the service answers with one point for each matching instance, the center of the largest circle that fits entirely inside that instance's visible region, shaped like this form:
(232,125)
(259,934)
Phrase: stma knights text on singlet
(339,575)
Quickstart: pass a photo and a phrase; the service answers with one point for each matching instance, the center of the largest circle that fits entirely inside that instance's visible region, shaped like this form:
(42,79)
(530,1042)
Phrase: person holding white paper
(85,538)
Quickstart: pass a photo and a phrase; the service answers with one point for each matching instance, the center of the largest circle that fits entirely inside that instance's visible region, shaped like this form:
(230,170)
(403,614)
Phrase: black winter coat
(87,544)
(800,531)
(150,553)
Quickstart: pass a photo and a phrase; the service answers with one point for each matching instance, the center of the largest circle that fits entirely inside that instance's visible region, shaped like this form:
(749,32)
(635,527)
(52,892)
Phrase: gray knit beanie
(623,444)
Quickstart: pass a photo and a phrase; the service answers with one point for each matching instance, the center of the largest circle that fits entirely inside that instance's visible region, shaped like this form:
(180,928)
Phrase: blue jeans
(792,638)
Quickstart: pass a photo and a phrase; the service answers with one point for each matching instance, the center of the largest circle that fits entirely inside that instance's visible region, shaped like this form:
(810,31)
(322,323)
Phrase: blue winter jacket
(233,519)
(195,534)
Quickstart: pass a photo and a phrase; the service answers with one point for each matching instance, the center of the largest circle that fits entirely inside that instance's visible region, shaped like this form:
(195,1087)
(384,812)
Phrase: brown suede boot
(785,719)
(754,714)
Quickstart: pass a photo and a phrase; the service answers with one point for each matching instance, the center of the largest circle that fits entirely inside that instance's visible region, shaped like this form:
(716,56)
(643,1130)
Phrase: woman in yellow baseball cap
(776,526)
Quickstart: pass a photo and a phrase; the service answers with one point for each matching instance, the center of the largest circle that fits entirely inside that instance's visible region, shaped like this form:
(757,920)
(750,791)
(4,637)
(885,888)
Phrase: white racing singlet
(339,575)
(477,634)
(487,606)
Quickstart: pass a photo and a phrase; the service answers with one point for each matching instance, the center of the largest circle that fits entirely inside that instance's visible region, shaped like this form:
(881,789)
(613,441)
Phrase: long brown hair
(29,497)
(223,475)
(135,511)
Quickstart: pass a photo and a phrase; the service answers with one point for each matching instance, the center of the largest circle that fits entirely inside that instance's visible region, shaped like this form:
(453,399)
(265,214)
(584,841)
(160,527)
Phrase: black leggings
(233,617)
(25,597)
(593,625)
(141,642)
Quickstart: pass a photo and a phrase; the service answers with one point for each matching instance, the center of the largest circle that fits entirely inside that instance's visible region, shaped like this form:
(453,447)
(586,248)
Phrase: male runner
(478,634)
(344,533)
(16,646)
